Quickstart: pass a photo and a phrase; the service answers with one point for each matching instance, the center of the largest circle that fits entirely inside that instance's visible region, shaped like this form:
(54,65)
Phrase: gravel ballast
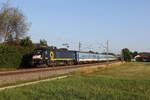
(42,74)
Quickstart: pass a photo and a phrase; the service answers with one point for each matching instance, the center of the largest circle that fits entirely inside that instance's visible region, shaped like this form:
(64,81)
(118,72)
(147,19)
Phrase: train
(53,56)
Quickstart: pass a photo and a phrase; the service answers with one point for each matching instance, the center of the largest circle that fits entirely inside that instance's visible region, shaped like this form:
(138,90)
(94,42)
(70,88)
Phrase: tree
(13,25)
(26,42)
(126,54)
(43,42)
(135,53)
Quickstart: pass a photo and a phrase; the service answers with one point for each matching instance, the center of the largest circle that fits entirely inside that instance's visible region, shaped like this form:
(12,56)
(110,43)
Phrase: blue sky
(125,23)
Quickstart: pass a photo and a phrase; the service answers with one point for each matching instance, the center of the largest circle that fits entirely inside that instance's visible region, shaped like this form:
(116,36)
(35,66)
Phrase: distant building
(143,57)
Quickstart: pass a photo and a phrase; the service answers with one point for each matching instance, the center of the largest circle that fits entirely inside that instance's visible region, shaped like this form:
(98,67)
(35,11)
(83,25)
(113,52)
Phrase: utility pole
(80,46)
(122,56)
(107,47)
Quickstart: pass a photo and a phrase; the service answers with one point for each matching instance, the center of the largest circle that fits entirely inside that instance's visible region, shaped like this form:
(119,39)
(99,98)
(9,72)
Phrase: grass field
(130,81)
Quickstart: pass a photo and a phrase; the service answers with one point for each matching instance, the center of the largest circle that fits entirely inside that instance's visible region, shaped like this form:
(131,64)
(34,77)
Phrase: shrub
(14,56)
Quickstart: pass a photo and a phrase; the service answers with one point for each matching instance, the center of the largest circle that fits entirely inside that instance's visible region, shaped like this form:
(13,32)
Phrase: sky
(124,23)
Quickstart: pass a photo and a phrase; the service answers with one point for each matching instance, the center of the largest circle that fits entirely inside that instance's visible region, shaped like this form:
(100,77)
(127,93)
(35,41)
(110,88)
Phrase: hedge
(12,56)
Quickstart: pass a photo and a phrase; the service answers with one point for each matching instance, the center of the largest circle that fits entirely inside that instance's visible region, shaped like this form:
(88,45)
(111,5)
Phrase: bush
(12,56)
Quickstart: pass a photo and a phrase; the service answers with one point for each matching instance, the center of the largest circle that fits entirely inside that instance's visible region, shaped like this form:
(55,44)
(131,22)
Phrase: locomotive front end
(40,56)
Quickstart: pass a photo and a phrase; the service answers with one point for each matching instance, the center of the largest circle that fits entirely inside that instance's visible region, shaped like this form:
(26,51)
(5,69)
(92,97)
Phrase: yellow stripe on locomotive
(52,57)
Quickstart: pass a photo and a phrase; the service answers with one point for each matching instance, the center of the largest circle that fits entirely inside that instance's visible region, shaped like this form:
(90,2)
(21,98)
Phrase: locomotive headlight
(37,57)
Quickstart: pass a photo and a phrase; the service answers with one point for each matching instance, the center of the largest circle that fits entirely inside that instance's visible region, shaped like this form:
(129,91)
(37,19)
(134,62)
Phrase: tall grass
(104,84)
(128,70)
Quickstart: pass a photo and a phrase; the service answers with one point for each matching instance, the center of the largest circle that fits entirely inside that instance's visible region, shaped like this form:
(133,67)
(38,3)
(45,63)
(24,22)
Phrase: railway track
(32,70)
(41,73)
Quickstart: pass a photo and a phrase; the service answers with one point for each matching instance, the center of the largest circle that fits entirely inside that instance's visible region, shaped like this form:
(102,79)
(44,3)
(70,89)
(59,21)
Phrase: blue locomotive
(53,56)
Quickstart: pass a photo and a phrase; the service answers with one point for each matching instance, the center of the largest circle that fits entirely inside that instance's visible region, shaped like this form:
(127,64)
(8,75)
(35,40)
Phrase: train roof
(61,49)
(94,53)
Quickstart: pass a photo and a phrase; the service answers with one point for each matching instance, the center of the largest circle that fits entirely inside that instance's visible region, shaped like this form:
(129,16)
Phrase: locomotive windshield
(38,52)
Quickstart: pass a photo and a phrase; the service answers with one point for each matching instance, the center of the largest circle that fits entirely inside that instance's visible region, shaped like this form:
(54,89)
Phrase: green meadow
(129,81)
